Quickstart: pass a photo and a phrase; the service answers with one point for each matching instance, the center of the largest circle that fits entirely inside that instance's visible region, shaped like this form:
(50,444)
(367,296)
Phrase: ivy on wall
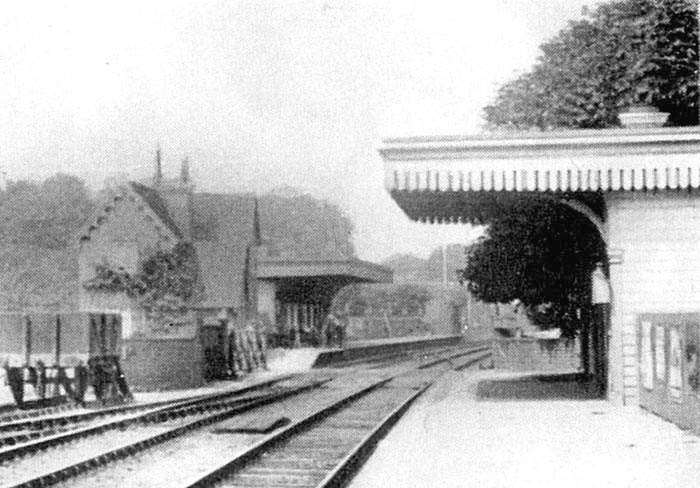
(165,284)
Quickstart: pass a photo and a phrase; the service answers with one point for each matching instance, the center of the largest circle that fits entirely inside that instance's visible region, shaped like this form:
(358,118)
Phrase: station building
(639,186)
(243,273)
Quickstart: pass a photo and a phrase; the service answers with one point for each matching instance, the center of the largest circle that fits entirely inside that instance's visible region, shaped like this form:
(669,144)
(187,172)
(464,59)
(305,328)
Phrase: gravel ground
(190,456)
(462,433)
(15,471)
(55,458)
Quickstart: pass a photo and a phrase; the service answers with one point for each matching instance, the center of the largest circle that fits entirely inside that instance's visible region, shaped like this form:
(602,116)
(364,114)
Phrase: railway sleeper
(273,480)
(292,463)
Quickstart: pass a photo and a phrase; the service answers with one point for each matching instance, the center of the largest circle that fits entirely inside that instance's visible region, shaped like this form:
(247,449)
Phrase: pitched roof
(223,230)
(222,272)
(156,203)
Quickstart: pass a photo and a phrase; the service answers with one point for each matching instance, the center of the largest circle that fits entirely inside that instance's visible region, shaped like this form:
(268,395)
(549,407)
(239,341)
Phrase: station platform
(359,350)
(495,429)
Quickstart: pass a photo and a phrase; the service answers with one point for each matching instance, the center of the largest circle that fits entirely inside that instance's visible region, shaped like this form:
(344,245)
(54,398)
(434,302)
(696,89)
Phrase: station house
(246,276)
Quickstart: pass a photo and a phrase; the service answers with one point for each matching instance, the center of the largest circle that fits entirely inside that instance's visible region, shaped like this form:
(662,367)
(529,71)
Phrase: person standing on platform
(326,331)
(340,324)
(336,326)
(330,329)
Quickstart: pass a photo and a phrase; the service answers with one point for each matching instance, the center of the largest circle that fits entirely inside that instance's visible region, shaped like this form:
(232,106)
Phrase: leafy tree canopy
(396,300)
(621,53)
(540,252)
(408,268)
(300,225)
(46,214)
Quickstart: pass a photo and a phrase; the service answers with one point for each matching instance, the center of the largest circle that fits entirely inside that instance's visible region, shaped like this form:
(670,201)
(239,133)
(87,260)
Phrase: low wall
(541,355)
(163,364)
(365,328)
(336,356)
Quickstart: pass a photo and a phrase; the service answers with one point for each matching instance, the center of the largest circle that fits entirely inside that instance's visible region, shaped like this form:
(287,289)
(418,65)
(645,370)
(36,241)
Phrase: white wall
(267,291)
(654,244)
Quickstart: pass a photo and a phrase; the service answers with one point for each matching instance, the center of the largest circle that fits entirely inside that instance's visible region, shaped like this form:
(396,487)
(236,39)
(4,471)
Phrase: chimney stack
(185,171)
(158,176)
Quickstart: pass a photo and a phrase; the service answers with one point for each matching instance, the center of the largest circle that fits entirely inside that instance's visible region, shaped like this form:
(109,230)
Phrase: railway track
(34,408)
(37,427)
(381,360)
(74,452)
(322,449)
(80,466)
(327,448)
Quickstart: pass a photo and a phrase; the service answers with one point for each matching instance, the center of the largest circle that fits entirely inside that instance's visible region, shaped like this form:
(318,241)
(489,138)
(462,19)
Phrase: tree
(46,214)
(38,278)
(376,299)
(622,53)
(540,252)
(302,226)
(450,263)
(407,268)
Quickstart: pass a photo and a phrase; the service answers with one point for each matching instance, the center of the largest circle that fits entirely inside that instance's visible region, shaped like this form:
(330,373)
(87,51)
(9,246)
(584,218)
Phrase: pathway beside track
(493,429)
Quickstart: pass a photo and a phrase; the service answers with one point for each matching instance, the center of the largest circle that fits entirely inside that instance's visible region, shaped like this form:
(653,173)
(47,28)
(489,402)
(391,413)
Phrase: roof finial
(158,177)
(185,171)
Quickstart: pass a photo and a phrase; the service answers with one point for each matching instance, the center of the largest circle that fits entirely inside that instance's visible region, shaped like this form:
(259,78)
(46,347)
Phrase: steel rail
(276,438)
(30,433)
(152,416)
(350,465)
(249,403)
(60,420)
(453,356)
(472,361)
(10,411)
(102,459)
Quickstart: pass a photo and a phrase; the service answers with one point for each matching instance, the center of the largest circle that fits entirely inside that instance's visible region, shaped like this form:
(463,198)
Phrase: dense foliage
(166,282)
(408,268)
(45,214)
(622,53)
(297,224)
(37,278)
(376,300)
(539,252)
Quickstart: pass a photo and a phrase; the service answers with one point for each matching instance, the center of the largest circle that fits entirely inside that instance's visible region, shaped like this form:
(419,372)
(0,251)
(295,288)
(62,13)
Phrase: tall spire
(257,234)
(185,171)
(158,176)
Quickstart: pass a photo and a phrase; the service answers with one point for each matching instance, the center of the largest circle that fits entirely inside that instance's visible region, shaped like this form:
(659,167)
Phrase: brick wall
(361,328)
(654,244)
(156,364)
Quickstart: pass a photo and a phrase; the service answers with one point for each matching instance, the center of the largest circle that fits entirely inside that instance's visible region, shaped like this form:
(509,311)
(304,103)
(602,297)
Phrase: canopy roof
(454,178)
(350,269)
(579,160)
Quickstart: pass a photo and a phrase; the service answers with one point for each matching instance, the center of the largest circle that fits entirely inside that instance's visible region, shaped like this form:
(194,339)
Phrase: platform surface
(495,430)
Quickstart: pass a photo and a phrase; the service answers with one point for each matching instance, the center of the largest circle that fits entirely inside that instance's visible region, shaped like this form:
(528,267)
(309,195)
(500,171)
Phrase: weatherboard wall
(654,248)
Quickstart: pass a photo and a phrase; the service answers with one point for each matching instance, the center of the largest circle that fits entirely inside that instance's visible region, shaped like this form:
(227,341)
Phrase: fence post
(27,340)
(57,349)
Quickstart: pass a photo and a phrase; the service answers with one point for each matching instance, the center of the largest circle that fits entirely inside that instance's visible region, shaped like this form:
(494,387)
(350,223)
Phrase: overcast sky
(259,94)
